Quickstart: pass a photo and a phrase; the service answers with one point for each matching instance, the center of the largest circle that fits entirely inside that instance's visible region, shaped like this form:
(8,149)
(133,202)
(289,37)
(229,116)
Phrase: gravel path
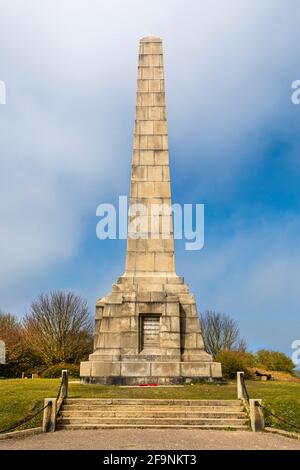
(122,439)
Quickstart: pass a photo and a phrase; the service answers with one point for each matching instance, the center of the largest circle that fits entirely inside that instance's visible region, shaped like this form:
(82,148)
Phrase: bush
(54,371)
(274,360)
(235,361)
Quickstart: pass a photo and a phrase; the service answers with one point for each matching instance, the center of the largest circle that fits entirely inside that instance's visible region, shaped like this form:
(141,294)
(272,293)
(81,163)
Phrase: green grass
(282,398)
(22,397)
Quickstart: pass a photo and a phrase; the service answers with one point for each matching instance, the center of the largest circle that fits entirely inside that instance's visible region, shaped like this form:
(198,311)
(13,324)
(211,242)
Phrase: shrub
(54,371)
(274,360)
(235,361)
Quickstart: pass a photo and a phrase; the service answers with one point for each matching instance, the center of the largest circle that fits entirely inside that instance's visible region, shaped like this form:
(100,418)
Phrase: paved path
(123,439)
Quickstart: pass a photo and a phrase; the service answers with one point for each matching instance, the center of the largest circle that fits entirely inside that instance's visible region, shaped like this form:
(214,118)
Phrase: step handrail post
(49,416)
(256,415)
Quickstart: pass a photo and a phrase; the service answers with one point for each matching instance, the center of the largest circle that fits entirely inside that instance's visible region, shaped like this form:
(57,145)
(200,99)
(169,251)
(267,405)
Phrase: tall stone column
(147,329)
(150,180)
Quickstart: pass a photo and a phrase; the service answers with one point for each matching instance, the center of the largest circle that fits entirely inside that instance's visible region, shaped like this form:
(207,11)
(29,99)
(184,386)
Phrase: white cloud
(252,275)
(66,131)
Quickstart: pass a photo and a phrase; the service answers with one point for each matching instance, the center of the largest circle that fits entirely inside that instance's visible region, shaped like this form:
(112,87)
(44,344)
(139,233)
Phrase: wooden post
(49,417)
(64,377)
(240,390)
(256,415)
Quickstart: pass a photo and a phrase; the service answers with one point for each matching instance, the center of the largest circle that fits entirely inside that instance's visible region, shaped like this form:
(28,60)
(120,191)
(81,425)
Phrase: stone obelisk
(147,329)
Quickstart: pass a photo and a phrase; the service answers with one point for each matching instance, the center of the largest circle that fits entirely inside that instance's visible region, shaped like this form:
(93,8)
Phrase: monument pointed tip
(151,39)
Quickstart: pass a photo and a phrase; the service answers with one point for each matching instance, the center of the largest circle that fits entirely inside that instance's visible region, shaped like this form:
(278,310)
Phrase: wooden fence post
(256,415)
(49,417)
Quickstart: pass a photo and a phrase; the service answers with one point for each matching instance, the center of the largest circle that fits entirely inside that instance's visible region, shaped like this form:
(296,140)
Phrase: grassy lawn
(22,397)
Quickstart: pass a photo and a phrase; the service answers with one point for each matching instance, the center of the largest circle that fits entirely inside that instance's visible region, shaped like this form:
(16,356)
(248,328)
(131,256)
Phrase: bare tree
(58,328)
(220,333)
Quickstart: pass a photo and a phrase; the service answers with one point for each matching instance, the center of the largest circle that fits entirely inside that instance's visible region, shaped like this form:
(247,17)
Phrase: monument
(147,329)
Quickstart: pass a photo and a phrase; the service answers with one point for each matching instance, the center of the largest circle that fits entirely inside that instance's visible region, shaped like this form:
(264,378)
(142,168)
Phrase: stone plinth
(120,357)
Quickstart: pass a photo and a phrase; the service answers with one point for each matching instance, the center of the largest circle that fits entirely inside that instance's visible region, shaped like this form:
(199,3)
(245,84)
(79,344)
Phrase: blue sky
(66,136)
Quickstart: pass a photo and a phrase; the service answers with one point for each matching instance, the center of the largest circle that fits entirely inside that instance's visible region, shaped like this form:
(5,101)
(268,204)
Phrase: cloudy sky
(66,134)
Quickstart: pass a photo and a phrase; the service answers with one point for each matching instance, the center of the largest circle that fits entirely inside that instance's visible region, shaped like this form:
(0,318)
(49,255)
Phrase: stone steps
(240,427)
(227,422)
(144,408)
(149,401)
(149,414)
(93,413)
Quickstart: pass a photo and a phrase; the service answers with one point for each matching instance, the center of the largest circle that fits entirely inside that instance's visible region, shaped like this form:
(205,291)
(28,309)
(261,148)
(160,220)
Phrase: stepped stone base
(120,355)
(134,373)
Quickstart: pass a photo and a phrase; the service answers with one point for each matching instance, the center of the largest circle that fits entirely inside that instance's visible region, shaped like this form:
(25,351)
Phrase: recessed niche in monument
(149,332)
